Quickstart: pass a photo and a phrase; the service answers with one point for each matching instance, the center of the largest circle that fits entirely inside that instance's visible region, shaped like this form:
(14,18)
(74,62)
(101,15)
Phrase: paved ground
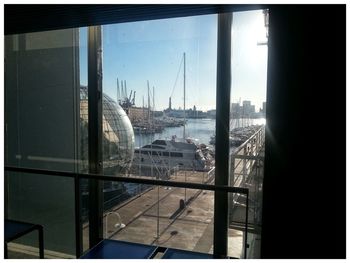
(164,223)
(157,216)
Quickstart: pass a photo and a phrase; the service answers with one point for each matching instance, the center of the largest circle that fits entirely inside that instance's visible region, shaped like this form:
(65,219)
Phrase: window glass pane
(152,70)
(42,100)
(247,124)
(46,128)
(163,216)
(45,200)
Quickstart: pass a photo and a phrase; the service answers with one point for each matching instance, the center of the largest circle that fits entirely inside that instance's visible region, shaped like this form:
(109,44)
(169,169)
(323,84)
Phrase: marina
(160,156)
(183,218)
(200,130)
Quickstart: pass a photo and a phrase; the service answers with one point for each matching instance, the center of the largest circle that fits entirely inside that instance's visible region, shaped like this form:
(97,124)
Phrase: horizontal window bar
(223,188)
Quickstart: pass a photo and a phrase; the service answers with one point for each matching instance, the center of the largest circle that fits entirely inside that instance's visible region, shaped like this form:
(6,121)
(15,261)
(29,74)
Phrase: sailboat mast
(153,109)
(118,91)
(149,105)
(184,94)
(143,109)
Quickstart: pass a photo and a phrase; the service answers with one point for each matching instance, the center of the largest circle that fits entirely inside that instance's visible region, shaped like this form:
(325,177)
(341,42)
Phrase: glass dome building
(118,135)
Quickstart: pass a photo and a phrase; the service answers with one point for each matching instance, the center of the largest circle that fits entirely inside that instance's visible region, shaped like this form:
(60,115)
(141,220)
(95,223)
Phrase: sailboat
(182,153)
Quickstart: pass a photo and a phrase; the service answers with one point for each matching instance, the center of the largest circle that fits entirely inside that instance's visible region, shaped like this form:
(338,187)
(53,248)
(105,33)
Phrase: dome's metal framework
(118,135)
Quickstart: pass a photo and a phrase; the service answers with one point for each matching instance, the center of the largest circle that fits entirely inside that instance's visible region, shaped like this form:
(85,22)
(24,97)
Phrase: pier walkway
(183,218)
(247,169)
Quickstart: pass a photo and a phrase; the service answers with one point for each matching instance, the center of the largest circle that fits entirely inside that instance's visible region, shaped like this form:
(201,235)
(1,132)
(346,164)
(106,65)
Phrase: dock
(183,218)
(167,222)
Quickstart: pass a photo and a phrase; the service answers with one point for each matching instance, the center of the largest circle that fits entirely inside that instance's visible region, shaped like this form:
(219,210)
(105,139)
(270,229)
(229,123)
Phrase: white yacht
(168,154)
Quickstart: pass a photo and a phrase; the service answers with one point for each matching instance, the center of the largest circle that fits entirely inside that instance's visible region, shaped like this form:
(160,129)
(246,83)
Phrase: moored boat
(168,154)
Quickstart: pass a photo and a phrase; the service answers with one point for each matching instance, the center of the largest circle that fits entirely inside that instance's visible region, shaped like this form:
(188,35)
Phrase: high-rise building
(246,108)
(264,107)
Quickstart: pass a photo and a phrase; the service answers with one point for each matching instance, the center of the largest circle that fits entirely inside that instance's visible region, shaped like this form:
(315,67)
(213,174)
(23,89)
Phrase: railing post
(245,237)
(250,154)
(244,163)
(260,138)
(233,165)
(185,188)
(232,182)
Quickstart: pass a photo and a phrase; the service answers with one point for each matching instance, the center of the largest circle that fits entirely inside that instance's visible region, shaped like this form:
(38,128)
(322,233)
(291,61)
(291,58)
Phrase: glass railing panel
(237,225)
(163,216)
(84,213)
(46,128)
(45,200)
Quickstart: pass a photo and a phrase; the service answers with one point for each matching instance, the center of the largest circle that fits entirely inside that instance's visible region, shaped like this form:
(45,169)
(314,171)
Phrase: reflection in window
(42,132)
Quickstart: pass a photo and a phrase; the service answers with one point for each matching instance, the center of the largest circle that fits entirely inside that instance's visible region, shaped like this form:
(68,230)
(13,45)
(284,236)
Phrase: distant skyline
(153,50)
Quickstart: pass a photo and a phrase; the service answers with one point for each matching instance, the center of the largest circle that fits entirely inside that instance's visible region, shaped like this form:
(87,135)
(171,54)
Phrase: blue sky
(153,50)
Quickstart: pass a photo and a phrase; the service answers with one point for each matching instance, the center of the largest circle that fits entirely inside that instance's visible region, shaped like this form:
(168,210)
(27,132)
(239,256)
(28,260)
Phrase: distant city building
(246,103)
(211,114)
(169,103)
(246,108)
(195,114)
(236,110)
(174,113)
(138,114)
(264,107)
(262,111)
(252,109)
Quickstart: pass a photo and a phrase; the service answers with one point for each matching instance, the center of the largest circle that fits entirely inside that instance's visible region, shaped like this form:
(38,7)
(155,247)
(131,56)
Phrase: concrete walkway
(165,223)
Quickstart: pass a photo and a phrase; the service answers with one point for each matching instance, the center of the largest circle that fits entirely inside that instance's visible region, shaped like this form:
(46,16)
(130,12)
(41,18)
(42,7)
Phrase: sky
(152,51)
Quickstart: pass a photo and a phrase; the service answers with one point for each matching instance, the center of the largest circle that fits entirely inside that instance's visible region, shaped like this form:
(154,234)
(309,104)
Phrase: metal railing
(245,156)
(78,176)
(245,160)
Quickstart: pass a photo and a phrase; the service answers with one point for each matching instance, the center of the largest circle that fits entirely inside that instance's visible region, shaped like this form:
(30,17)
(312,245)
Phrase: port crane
(124,101)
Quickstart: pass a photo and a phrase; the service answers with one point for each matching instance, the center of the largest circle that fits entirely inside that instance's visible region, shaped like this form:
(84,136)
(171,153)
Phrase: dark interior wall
(41,86)
(304,184)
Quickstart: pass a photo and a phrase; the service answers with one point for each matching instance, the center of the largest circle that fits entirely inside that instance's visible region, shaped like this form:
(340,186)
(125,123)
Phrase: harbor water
(199,129)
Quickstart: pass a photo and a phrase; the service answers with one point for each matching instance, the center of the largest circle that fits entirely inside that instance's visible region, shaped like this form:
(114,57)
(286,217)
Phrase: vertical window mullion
(222,145)
(95,132)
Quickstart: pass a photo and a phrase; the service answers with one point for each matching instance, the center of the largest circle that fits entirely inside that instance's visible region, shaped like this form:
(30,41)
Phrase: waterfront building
(264,108)
(211,114)
(138,114)
(236,110)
